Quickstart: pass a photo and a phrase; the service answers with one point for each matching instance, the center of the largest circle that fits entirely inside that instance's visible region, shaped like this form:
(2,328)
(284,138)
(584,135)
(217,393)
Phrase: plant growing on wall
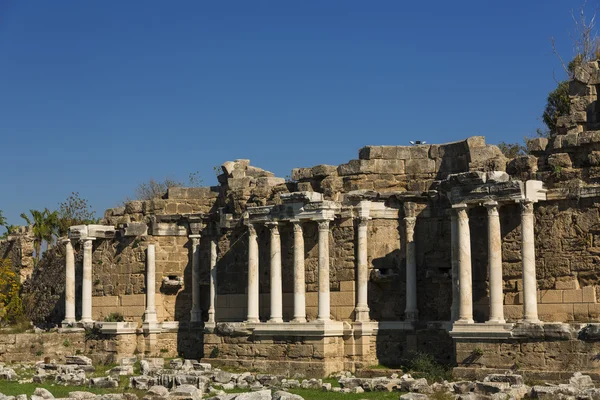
(74,211)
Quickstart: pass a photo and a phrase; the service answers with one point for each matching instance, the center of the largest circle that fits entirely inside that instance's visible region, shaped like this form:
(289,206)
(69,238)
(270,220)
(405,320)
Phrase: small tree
(154,189)
(11,307)
(74,211)
(512,150)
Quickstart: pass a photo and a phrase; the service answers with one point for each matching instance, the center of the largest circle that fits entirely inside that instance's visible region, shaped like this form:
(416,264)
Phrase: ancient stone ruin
(449,249)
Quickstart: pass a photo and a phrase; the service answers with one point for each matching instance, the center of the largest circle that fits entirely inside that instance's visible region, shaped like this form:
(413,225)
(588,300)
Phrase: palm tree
(44,226)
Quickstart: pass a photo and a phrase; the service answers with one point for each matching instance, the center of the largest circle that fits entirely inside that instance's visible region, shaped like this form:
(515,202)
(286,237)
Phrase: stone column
(252,275)
(323,313)
(213,281)
(86,287)
(411,313)
(362,272)
(69,283)
(150,314)
(454,308)
(530,312)
(299,275)
(196,312)
(495,264)
(464,265)
(275,275)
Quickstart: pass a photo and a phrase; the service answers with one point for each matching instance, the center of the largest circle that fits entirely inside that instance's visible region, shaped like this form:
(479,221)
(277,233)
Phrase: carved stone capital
(323,225)
(251,230)
(461,210)
(492,207)
(363,221)
(274,227)
(526,207)
(297,226)
(87,244)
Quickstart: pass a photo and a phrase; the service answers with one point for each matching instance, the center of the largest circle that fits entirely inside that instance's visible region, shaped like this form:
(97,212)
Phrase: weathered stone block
(420,166)
(560,160)
(537,145)
(550,296)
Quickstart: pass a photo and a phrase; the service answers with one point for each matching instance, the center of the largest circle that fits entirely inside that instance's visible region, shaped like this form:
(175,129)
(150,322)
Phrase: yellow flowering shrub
(11,307)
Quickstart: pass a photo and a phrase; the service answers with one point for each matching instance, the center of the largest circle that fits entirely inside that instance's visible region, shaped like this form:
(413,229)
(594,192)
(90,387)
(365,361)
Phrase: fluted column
(86,286)
(455,307)
(324,309)
(530,311)
(299,274)
(464,265)
(213,281)
(275,275)
(495,264)
(69,283)
(362,272)
(196,312)
(150,314)
(411,313)
(252,275)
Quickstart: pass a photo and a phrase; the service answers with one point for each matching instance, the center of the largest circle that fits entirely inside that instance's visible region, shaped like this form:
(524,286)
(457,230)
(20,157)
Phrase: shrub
(423,365)
(114,317)
(11,306)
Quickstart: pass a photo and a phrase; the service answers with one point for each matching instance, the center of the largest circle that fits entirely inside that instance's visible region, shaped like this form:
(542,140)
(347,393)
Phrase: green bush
(114,317)
(423,365)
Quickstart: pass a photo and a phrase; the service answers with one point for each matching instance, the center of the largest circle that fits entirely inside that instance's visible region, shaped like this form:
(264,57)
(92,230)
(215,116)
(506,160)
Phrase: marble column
(530,311)
(299,274)
(411,313)
(455,307)
(324,308)
(275,275)
(362,272)
(464,265)
(196,312)
(150,313)
(495,264)
(69,283)
(252,275)
(86,286)
(213,281)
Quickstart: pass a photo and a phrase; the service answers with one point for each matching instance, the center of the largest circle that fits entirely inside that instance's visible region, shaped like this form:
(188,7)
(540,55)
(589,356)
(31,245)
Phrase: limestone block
(560,160)
(556,312)
(589,294)
(133,300)
(476,141)
(105,301)
(243,183)
(412,152)
(581,312)
(255,172)
(269,181)
(323,170)
(522,164)
(420,166)
(537,145)
(573,296)
(566,284)
(134,206)
(299,174)
(594,158)
(497,176)
(550,296)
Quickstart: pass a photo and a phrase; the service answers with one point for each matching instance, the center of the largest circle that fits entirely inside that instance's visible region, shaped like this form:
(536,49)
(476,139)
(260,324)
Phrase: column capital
(87,243)
(251,229)
(195,239)
(363,221)
(297,224)
(460,206)
(410,209)
(526,207)
(410,222)
(492,207)
(273,226)
(323,224)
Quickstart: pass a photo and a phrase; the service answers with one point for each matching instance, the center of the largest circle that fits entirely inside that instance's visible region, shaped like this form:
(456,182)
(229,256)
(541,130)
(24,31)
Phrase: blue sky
(98,96)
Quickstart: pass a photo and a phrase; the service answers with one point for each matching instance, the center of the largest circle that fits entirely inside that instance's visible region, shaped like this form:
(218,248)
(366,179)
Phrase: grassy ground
(15,388)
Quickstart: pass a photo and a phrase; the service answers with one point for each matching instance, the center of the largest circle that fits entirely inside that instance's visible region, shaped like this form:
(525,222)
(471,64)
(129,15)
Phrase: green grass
(320,395)
(15,388)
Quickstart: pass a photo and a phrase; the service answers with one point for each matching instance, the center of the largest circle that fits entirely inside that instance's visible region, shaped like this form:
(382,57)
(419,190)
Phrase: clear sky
(98,96)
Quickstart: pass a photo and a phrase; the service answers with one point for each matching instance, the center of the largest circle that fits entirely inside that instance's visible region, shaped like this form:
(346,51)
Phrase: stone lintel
(314,329)
(118,328)
(481,331)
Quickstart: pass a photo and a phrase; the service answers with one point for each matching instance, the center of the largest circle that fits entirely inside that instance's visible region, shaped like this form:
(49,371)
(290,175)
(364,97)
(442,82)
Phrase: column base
(252,320)
(531,321)
(196,316)
(275,320)
(412,315)
(361,314)
(299,320)
(68,323)
(496,321)
(465,321)
(211,316)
